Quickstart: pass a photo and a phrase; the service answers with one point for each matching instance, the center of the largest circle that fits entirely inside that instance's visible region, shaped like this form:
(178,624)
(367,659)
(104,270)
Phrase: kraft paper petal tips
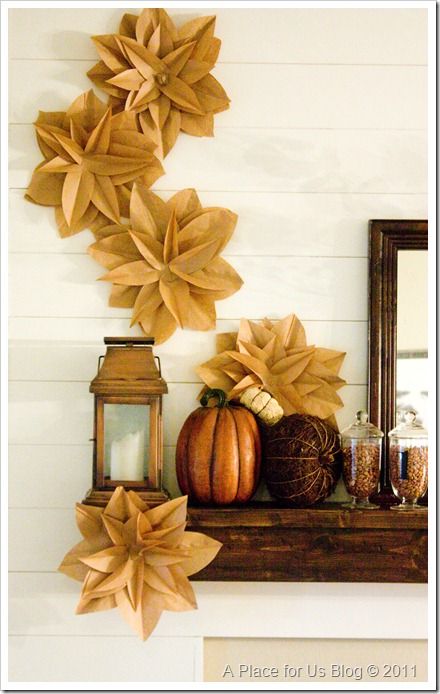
(162,74)
(165,263)
(275,356)
(91,158)
(137,559)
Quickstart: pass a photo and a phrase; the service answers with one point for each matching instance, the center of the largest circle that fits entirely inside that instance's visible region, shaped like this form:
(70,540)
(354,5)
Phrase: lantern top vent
(128,368)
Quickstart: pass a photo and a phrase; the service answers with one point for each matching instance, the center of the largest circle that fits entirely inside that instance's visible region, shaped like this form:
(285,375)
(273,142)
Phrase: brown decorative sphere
(302,459)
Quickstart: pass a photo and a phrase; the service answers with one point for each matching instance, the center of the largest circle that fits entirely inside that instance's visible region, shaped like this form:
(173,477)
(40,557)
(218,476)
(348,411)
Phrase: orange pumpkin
(218,453)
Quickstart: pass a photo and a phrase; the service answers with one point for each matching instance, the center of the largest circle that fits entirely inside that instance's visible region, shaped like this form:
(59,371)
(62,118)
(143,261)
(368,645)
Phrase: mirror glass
(412,332)
(398,326)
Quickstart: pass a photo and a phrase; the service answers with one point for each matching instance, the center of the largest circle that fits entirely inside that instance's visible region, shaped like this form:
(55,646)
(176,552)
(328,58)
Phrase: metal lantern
(128,440)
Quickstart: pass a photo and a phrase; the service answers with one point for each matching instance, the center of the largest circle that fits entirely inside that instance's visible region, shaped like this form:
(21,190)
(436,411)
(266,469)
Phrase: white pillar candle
(127,457)
(115,461)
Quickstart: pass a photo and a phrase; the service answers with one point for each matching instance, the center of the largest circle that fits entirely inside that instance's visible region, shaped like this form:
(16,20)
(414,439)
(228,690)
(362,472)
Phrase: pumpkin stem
(214,393)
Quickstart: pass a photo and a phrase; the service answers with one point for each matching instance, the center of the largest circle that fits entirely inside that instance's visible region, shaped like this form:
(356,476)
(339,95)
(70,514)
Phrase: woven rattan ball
(302,459)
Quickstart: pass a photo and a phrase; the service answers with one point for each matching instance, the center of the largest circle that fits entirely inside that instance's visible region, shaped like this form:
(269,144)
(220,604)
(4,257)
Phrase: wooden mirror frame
(386,238)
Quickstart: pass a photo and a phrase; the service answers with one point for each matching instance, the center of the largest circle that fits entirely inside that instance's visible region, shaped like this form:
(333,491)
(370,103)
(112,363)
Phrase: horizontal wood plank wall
(327,129)
(102,659)
(233,610)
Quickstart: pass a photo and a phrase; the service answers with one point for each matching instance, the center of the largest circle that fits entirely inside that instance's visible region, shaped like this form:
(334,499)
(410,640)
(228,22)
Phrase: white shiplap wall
(327,129)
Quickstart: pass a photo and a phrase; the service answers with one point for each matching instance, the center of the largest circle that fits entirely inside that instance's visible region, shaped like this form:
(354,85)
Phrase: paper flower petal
(129,79)
(211,95)
(110,52)
(88,605)
(90,216)
(159,110)
(128,25)
(87,109)
(77,193)
(185,203)
(177,268)
(160,579)
(194,71)
(202,550)
(115,249)
(123,297)
(45,188)
(162,75)
(90,154)
(144,618)
(143,567)
(161,324)
(99,140)
(181,94)
(71,564)
(275,355)
(200,30)
(147,302)
(105,198)
(176,60)
(150,250)
(201,312)
(184,590)
(161,42)
(170,514)
(212,53)
(167,136)
(200,126)
(215,372)
(148,213)
(290,368)
(290,331)
(196,258)
(175,294)
(135,274)
(107,560)
(170,247)
(88,519)
(218,276)
(217,222)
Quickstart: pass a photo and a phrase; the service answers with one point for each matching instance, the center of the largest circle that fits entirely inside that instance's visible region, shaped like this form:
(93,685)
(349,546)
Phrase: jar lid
(408,427)
(362,428)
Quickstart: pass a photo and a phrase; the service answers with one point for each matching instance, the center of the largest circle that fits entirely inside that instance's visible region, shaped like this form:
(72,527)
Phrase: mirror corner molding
(386,238)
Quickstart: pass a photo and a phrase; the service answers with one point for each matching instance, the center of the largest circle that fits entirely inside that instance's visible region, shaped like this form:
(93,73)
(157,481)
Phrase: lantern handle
(158,363)
(99,361)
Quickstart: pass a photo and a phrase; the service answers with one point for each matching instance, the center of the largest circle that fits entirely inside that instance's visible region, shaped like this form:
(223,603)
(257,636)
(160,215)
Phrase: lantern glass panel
(126,441)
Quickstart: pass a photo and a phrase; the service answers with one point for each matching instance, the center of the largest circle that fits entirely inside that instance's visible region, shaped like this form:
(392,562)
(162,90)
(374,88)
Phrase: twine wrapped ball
(302,459)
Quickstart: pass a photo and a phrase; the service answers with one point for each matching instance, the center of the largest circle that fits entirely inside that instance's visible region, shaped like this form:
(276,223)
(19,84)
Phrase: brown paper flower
(275,356)
(166,264)
(161,73)
(137,559)
(91,159)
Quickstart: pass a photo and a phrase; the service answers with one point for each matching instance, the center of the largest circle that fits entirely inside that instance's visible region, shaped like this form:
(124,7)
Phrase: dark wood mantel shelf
(263,542)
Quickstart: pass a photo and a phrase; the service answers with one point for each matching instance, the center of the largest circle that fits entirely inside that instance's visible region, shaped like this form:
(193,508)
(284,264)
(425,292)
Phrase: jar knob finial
(361,417)
(410,416)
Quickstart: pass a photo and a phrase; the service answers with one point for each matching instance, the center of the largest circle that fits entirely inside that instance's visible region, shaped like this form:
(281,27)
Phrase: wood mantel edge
(324,516)
(267,542)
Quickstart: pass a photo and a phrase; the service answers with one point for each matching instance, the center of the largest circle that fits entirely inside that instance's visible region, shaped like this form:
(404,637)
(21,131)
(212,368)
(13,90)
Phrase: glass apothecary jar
(361,447)
(408,461)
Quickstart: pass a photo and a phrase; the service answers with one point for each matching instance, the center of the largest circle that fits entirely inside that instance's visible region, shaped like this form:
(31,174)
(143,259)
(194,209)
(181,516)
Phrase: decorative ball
(218,453)
(302,459)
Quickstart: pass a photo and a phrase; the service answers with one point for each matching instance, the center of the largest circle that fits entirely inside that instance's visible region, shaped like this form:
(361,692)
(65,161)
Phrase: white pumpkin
(262,404)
